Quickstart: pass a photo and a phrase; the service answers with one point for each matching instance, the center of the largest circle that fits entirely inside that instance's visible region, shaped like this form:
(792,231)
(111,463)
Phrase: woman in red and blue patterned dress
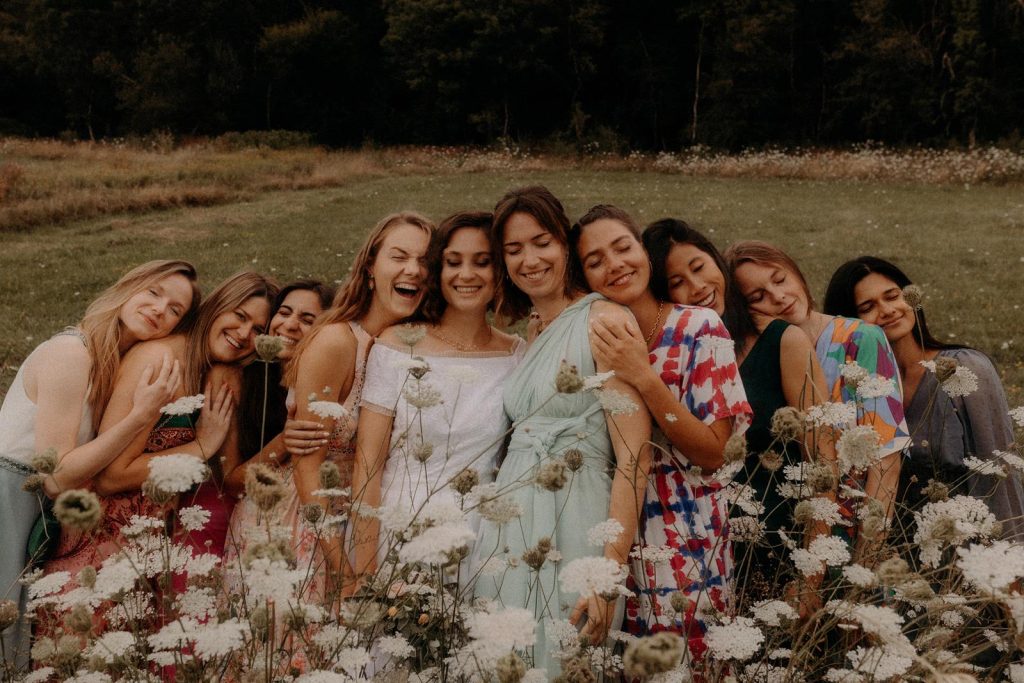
(681,360)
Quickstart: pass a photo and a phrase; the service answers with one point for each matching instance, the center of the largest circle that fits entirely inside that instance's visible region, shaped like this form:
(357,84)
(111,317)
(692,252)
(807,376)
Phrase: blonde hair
(766,254)
(228,296)
(104,330)
(355,296)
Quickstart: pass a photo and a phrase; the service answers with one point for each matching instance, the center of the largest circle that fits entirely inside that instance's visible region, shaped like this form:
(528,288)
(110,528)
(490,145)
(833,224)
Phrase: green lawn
(964,245)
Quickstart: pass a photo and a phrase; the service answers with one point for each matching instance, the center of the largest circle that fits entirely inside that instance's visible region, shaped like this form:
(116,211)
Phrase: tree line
(593,74)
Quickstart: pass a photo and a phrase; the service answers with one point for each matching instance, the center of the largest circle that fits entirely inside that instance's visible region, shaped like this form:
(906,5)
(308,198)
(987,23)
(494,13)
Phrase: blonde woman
(222,337)
(385,286)
(59,394)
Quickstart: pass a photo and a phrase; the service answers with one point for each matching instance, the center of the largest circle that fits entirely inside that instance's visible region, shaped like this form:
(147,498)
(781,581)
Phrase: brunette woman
(468,427)
(59,394)
(553,430)
(681,361)
(774,287)
(947,425)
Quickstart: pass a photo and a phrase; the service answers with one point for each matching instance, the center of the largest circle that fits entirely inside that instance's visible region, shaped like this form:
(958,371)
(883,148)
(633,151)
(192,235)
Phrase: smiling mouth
(467,289)
(621,280)
(708,301)
(406,290)
(536,275)
(788,310)
(234,343)
(150,321)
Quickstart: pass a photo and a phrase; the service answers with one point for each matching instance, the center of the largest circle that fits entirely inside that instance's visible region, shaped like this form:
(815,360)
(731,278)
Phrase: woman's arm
(325,372)
(618,346)
(630,435)
(129,468)
(373,444)
(61,385)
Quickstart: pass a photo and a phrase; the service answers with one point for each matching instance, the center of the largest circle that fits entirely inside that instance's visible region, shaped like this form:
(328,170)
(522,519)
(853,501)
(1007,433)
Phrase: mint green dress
(546,424)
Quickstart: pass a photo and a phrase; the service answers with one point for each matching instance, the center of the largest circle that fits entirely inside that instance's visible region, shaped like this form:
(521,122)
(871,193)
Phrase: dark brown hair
(433,305)
(538,202)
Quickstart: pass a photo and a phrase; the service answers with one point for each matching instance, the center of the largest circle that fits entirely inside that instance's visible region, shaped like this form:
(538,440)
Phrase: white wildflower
(671,417)
(540,676)
(48,584)
(604,532)
(421,395)
(1011,459)
(859,576)
(139,525)
(561,632)
(586,575)
(858,448)
(492,505)
(747,529)
(436,544)
(39,675)
(951,522)
(737,640)
(994,567)
(745,498)
(193,518)
(463,374)
(658,554)
(221,639)
(844,676)
(396,646)
(501,630)
(597,381)
(197,602)
(82,676)
(852,373)
(615,402)
(831,551)
(321,676)
(112,645)
(352,660)
(984,467)
(412,364)
(963,382)
(880,662)
(186,405)
(773,612)
(1017,415)
(1015,673)
(832,414)
(724,474)
(176,473)
(875,387)
(824,510)
(327,410)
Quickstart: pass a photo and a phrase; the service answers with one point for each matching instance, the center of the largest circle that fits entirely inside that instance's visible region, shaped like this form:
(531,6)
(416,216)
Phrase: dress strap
(73,332)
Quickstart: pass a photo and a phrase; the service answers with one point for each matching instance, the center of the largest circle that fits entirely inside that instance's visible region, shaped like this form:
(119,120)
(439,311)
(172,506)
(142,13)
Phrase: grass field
(963,243)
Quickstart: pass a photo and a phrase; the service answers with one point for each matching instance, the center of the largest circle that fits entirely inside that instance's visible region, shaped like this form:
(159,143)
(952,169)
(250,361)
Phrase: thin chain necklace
(459,346)
(657,324)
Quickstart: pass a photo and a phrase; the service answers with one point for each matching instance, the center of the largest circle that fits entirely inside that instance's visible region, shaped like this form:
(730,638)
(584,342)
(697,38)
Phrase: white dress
(465,429)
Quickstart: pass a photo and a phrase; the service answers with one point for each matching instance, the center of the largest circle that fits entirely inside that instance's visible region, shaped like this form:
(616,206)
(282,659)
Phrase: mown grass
(963,244)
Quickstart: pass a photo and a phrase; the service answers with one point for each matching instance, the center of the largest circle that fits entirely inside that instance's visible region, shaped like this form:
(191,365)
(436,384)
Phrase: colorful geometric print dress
(547,424)
(683,512)
(847,340)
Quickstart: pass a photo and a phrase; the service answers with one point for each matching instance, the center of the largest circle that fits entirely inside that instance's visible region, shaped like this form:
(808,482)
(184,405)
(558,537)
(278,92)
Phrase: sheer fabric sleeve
(386,374)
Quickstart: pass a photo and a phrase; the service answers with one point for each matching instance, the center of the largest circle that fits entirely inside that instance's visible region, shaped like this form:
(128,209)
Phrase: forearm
(882,481)
(131,477)
(629,486)
(234,481)
(80,465)
(366,492)
(694,439)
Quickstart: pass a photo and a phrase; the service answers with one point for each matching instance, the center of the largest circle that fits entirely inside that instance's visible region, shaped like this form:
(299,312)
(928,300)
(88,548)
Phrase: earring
(371,283)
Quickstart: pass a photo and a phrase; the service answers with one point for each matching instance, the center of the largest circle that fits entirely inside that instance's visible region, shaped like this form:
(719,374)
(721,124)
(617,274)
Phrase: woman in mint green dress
(563,470)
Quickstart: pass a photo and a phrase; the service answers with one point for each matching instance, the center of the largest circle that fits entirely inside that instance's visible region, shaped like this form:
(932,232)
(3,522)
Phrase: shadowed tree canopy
(586,74)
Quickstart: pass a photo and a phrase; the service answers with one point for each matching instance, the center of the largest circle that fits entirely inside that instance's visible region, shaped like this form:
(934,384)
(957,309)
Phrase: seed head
(268,347)
(423,452)
(653,655)
(820,478)
(893,571)
(936,491)
(568,380)
(78,509)
(510,669)
(735,449)
(551,476)
(945,368)
(330,475)
(465,480)
(87,576)
(45,462)
(263,486)
(34,483)
(771,461)
(574,459)
(914,296)
(312,513)
(411,335)
(680,603)
(80,620)
(788,423)
(8,613)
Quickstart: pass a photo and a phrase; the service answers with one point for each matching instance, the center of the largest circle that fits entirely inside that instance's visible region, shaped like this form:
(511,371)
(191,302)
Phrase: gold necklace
(657,324)
(459,346)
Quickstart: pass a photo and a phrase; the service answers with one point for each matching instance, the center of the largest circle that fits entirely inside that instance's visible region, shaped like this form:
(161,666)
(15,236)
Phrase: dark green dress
(761,571)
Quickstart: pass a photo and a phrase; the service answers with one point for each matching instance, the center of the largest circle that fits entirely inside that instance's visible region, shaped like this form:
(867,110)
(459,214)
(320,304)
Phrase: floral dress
(684,542)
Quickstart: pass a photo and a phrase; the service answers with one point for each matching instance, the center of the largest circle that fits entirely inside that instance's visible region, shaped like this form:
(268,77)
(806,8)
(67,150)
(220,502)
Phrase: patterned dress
(846,340)
(683,511)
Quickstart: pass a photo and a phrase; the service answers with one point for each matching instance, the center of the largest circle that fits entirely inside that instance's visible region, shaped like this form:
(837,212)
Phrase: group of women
(697,346)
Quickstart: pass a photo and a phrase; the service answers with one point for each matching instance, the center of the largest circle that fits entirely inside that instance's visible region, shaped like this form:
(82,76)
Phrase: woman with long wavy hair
(59,395)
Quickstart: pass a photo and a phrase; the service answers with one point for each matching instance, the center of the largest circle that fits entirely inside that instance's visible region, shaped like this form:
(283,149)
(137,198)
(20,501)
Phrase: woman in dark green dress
(778,368)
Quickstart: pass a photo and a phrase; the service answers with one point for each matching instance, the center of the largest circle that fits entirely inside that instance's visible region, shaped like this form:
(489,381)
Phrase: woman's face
(615,264)
(294,317)
(535,260)
(157,309)
(399,270)
(774,291)
(880,302)
(467,271)
(233,333)
(694,278)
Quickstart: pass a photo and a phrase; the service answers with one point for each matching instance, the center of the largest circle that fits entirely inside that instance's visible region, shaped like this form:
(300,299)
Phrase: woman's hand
(215,420)
(619,346)
(150,397)
(599,616)
(303,437)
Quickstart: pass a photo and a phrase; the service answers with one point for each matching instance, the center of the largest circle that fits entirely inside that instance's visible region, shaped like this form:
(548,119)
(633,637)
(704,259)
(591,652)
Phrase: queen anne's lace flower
(951,522)
(831,551)
(586,575)
(193,518)
(597,381)
(772,612)
(111,645)
(186,405)
(607,531)
(832,414)
(880,663)
(327,410)
(994,567)
(436,544)
(859,576)
(396,646)
(858,448)
(615,402)
(875,387)
(737,640)
(985,467)
(657,554)
(177,472)
(1017,415)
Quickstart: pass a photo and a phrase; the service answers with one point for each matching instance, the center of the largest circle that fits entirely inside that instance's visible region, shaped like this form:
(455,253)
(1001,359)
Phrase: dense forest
(592,74)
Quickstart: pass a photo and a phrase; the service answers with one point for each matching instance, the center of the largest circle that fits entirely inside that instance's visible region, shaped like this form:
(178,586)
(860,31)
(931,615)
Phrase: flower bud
(45,462)
(465,480)
(8,613)
(568,380)
(268,347)
(78,509)
(551,476)
(574,459)
(330,475)
(913,295)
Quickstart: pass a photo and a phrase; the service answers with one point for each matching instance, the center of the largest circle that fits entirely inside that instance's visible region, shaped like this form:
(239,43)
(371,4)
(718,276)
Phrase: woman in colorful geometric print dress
(779,368)
(947,426)
(682,361)
(774,287)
